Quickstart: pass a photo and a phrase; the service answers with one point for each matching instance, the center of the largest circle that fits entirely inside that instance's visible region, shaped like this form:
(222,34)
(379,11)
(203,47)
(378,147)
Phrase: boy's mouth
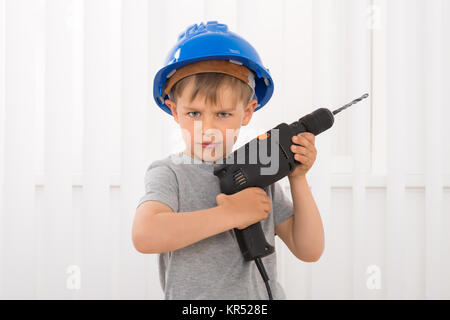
(208,145)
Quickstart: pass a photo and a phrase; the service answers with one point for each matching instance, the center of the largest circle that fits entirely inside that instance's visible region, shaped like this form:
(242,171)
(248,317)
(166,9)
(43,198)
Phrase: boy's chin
(210,155)
(207,156)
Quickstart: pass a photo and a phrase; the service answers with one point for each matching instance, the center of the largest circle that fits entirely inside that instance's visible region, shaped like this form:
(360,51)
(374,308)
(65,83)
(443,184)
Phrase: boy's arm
(303,232)
(156,228)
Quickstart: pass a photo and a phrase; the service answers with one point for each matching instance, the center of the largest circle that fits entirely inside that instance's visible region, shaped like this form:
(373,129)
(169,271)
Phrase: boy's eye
(190,113)
(221,114)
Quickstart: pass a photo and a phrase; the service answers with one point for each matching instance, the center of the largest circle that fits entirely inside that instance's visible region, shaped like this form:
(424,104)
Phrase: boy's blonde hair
(208,84)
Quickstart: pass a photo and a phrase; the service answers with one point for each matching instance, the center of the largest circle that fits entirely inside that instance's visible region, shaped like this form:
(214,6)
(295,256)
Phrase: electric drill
(252,166)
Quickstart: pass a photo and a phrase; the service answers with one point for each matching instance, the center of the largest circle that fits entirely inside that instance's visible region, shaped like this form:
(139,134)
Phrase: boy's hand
(304,152)
(249,206)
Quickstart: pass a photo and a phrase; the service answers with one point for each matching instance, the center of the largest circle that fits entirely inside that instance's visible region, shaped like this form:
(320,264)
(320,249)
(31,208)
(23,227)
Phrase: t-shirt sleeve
(161,185)
(282,206)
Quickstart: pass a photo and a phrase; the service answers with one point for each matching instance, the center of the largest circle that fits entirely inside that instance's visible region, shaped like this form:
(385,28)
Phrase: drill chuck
(316,122)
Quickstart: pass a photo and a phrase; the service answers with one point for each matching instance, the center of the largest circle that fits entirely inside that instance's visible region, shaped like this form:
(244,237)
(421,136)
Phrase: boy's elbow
(142,242)
(314,254)
(138,243)
(144,246)
(146,232)
(310,256)
(137,246)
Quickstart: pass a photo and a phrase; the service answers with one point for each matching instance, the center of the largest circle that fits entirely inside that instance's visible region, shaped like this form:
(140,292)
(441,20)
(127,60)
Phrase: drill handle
(252,242)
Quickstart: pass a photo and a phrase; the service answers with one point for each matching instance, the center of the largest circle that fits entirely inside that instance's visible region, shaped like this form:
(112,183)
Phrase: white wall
(79,127)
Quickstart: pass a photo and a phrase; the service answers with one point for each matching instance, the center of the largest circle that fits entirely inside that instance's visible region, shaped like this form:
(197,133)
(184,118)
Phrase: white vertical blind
(56,220)
(324,64)
(96,259)
(2,132)
(359,62)
(396,215)
(138,273)
(433,97)
(296,101)
(79,127)
(19,221)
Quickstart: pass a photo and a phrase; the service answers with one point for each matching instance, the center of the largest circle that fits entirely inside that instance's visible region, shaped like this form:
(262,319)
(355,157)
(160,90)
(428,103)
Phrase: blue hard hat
(212,41)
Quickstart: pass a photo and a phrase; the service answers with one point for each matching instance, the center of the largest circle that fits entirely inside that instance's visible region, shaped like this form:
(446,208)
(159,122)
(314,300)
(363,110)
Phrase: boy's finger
(309,136)
(302,140)
(303,159)
(299,149)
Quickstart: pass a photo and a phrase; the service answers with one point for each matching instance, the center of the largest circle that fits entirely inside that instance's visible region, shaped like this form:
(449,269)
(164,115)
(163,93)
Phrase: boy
(212,83)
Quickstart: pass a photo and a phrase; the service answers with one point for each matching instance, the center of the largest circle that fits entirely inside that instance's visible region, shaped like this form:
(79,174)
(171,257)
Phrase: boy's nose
(207,124)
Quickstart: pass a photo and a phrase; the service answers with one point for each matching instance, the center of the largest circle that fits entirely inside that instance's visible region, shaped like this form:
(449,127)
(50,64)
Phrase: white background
(79,126)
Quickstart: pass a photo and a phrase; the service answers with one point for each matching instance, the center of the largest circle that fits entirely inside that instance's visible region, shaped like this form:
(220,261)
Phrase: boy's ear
(173,108)
(248,111)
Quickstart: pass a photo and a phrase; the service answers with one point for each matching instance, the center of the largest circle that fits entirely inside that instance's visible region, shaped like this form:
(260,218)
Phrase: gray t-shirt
(212,268)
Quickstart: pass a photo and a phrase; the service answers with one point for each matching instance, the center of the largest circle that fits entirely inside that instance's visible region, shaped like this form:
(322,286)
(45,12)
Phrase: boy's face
(203,123)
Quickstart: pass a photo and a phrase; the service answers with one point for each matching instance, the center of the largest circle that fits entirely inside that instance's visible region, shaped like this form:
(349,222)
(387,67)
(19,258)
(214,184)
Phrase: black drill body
(243,169)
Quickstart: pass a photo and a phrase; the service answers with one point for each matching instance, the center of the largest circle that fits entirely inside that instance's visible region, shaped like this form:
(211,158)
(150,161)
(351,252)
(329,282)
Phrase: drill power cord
(263,272)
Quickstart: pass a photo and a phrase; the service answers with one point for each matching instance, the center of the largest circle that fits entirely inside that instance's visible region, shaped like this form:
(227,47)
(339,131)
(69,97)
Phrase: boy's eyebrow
(190,108)
(228,109)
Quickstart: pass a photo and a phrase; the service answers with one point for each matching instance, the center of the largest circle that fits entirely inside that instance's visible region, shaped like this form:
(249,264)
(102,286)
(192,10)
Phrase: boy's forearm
(168,231)
(307,228)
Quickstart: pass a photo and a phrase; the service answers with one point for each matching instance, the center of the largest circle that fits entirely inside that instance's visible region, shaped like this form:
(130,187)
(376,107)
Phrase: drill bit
(350,104)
